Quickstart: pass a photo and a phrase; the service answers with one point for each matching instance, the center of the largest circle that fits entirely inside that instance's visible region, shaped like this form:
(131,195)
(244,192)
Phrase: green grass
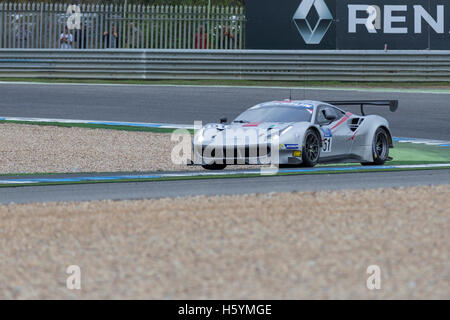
(410,153)
(337,84)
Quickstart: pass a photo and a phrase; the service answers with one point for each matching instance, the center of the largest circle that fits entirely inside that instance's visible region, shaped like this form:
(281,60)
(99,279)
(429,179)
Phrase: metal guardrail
(411,66)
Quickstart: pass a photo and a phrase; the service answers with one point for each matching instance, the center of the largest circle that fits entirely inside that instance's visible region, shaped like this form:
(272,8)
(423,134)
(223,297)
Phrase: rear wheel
(214,166)
(311,149)
(380,148)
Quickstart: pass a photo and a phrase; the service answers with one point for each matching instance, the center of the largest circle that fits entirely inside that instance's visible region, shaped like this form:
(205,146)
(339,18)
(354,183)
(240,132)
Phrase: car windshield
(276,114)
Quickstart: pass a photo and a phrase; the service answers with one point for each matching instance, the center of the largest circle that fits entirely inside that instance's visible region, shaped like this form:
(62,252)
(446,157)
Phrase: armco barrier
(410,66)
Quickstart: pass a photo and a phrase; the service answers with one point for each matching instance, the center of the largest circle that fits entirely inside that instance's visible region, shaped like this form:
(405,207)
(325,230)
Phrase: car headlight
(285,130)
(269,135)
(200,136)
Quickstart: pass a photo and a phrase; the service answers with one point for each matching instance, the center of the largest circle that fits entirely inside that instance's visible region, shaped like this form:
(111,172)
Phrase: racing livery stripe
(340,122)
(353,136)
(251,124)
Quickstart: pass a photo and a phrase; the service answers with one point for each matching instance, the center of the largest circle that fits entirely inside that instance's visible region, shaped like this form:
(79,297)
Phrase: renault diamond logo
(313,35)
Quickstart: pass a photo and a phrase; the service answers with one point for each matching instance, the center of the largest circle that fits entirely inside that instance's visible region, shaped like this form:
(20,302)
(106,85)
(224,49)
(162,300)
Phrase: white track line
(156,176)
(391,90)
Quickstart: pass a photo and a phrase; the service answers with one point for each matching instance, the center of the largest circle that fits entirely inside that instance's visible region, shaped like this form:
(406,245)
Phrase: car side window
(339,113)
(321,115)
(320,119)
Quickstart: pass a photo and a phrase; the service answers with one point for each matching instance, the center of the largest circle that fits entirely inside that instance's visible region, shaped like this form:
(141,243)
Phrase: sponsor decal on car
(288,146)
(251,124)
(327,140)
(326,145)
(326,132)
(306,105)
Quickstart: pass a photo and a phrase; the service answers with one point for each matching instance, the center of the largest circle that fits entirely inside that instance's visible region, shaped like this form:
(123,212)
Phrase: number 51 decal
(326,145)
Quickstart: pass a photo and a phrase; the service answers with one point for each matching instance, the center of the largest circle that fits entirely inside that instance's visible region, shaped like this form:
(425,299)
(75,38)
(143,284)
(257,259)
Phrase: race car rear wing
(392,104)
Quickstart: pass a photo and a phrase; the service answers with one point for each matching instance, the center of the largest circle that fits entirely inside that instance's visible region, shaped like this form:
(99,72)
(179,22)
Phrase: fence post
(241,28)
(158,28)
(147,25)
(2,30)
(194,27)
(42,28)
(166,27)
(45,29)
(95,27)
(10,24)
(139,27)
(175,27)
(3,16)
(52,26)
(22,25)
(152,27)
(133,21)
(14,25)
(190,19)
(32,29)
(106,27)
(56,27)
(185,17)
(83,33)
(181,20)
(91,31)
(25,25)
(213,29)
(61,26)
(235,26)
(122,25)
(170,21)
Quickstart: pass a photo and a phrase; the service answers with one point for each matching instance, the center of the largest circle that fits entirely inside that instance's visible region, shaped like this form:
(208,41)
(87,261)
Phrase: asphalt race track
(420,115)
(210,187)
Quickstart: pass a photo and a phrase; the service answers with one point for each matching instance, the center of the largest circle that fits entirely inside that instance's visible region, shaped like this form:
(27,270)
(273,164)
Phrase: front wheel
(311,149)
(214,166)
(380,148)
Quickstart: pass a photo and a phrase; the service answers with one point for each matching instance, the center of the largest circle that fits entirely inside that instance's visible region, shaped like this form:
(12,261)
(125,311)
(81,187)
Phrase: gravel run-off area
(280,246)
(47,149)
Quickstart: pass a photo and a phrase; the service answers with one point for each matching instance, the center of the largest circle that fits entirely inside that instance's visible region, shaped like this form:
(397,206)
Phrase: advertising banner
(348,24)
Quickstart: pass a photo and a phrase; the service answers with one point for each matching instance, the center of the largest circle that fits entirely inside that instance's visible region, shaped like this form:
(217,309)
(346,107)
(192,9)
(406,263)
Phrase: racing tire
(311,149)
(380,148)
(214,166)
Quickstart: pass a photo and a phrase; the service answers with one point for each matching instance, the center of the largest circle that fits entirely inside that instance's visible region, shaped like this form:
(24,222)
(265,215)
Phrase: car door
(336,133)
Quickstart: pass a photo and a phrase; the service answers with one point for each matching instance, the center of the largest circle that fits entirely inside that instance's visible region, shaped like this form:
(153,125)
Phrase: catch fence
(39,25)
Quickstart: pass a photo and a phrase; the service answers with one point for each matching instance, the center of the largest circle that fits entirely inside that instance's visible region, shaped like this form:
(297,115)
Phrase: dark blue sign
(348,24)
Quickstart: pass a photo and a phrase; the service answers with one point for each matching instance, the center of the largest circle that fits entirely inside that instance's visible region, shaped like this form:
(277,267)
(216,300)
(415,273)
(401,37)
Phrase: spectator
(81,37)
(228,38)
(201,39)
(66,39)
(134,36)
(23,37)
(111,40)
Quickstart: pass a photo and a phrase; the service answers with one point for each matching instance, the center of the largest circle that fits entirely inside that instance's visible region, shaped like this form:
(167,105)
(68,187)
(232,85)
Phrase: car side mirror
(223,120)
(330,116)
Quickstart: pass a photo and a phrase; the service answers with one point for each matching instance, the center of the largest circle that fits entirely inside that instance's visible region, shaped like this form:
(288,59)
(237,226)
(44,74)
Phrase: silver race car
(299,133)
